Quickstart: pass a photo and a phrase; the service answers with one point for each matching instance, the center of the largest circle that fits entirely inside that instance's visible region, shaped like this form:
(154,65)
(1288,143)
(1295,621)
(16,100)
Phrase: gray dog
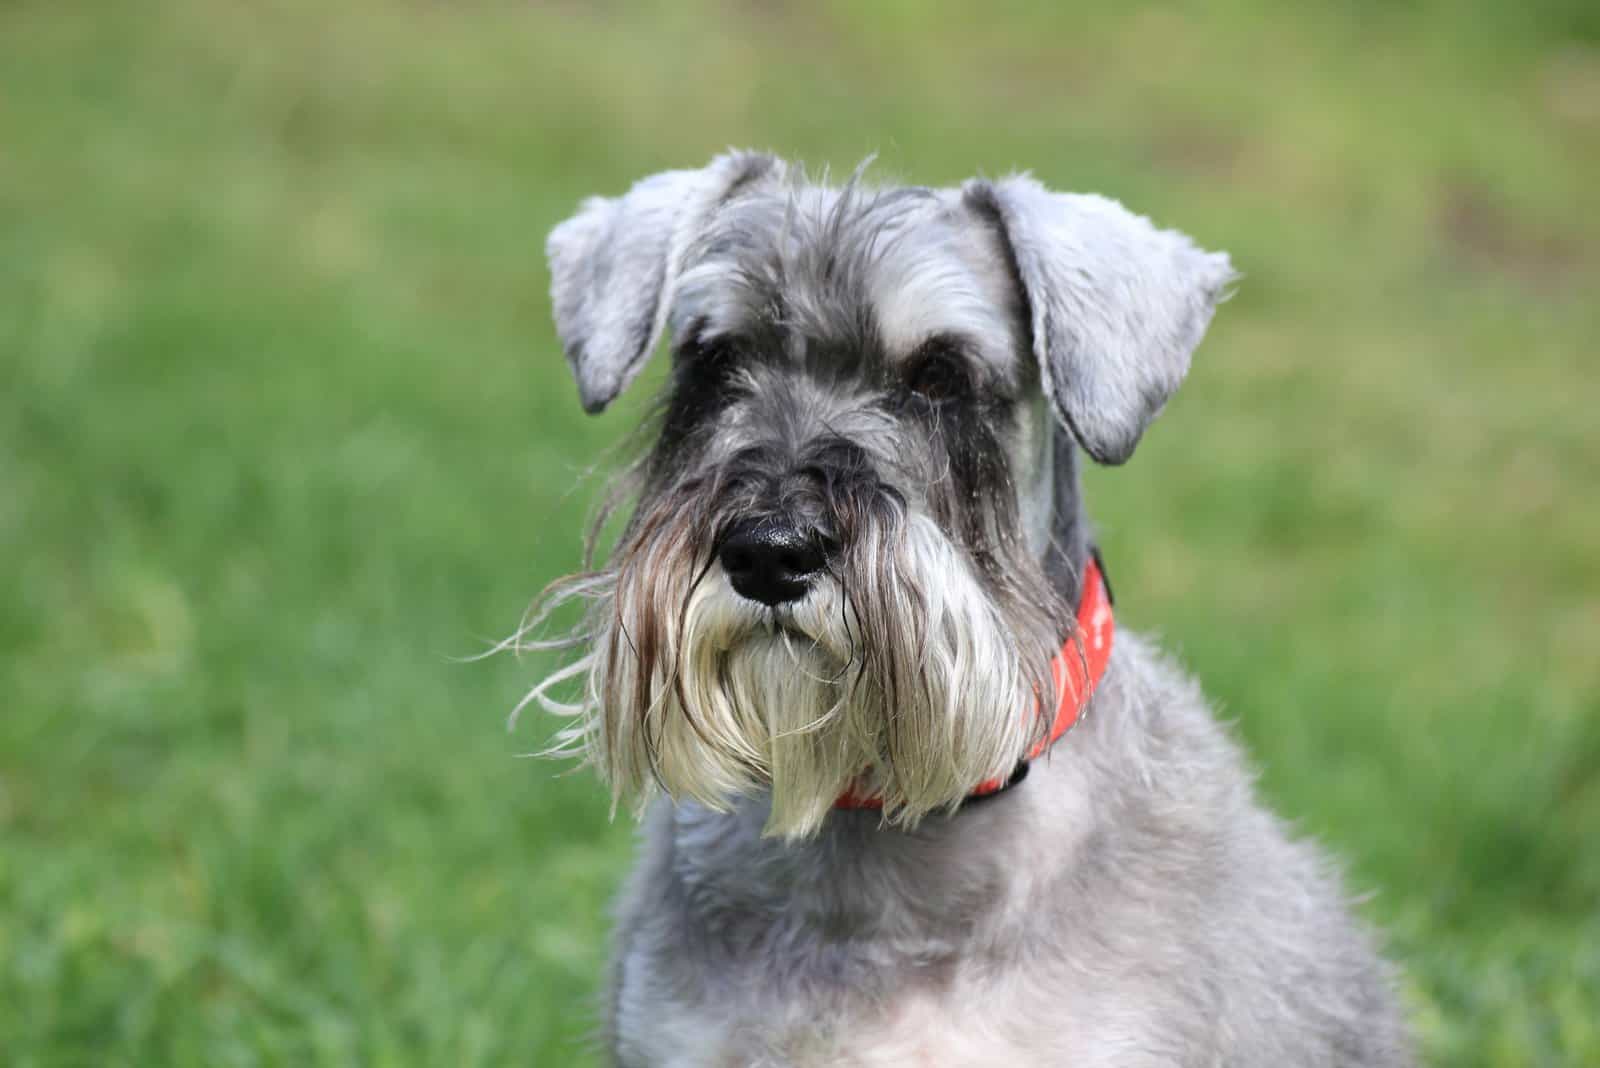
(838,646)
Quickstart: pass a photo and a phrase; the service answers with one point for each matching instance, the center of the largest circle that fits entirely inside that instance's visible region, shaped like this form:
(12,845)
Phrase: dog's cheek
(971,489)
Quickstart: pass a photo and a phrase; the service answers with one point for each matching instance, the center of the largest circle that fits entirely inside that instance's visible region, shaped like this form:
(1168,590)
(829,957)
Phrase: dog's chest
(859,948)
(966,1025)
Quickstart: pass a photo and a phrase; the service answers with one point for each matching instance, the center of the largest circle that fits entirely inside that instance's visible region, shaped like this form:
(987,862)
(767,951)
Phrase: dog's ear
(1116,306)
(614,265)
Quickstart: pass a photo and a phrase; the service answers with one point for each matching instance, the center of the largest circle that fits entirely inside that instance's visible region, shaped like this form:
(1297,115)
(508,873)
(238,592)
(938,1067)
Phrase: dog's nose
(770,561)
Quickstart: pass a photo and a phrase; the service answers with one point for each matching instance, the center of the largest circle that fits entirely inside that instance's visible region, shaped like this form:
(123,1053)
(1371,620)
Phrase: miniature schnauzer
(836,649)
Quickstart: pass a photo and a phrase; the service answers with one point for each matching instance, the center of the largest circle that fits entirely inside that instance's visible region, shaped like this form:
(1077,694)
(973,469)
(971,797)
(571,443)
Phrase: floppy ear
(613,267)
(1115,305)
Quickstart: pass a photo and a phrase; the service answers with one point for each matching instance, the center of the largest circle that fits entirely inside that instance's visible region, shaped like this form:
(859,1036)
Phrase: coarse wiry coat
(905,377)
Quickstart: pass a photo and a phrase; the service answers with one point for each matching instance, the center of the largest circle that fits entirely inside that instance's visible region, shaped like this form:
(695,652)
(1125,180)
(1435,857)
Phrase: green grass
(284,430)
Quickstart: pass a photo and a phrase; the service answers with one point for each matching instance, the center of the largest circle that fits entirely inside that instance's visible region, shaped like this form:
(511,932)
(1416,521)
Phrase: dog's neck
(858,893)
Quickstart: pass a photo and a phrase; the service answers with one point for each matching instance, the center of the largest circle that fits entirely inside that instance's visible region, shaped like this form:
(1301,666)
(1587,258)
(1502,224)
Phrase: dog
(909,797)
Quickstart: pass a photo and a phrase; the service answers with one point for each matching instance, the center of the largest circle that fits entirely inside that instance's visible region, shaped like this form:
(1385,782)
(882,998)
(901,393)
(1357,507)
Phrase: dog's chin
(771,699)
(793,703)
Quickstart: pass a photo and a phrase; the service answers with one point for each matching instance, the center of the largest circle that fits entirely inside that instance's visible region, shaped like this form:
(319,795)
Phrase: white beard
(807,701)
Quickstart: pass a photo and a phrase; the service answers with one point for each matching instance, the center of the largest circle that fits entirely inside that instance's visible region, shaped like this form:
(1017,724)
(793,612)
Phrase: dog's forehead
(873,273)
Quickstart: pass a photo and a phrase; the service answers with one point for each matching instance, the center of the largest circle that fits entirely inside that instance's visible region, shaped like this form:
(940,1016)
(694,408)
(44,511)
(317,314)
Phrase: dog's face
(833,576)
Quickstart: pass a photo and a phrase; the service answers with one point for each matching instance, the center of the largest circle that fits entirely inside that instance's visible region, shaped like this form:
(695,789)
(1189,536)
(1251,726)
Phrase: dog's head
(838,571)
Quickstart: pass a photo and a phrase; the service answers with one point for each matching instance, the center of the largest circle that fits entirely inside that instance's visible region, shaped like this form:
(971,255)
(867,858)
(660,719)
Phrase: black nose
(770,561)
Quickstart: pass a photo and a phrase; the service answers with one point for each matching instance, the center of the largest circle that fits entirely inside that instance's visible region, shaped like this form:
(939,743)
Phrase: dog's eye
(938,374)
(705,352)
(706,361)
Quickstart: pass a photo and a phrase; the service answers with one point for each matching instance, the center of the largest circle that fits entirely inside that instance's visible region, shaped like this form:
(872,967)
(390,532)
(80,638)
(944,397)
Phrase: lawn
(285,434)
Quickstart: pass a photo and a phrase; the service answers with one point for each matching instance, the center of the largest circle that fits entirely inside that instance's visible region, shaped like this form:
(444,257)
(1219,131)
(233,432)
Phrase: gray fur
(1129,904)
(613,267)
(1117,305)
(875,368)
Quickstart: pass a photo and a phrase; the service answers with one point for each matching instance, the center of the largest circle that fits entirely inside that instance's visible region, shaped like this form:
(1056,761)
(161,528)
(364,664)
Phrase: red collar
(1077,670)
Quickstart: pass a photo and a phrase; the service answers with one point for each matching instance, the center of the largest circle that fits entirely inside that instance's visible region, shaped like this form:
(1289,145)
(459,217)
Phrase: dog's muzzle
(770,560)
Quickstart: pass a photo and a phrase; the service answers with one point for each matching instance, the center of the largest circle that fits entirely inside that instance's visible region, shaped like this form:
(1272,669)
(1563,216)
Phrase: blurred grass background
(284,428)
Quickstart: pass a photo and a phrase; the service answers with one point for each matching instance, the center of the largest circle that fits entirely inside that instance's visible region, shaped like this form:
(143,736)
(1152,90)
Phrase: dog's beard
(896,675)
